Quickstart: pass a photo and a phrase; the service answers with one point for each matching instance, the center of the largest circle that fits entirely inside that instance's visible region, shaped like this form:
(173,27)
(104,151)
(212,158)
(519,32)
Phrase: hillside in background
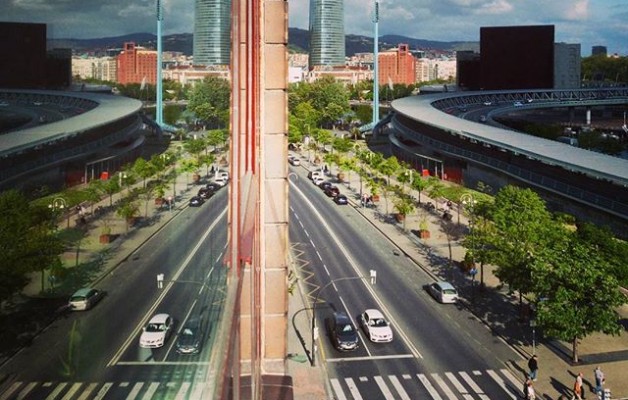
(298,41)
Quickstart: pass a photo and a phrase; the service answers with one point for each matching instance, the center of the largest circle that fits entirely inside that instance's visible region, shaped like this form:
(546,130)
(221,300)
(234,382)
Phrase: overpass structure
(430,133)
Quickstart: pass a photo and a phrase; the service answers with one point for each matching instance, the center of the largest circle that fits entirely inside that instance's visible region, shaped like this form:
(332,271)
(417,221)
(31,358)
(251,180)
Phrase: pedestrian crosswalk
(101,391)
(483,385)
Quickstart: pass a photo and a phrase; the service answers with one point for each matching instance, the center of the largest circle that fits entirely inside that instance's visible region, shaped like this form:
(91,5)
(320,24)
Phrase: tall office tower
(212,32)
(327,33)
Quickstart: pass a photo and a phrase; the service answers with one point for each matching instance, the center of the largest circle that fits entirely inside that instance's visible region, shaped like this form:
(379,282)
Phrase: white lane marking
(103,391)
(355,268)
(406,376)
(426,383)
(135,391)
(382,386)
(476,372)
(341,359)
(515,382)
(73,389)
(444,387)
(15,386)
(353,389)
(53,395)
(397,385)
(151,391)
(27,389)
(133,336)
(500,382)
(474,386)
(183,390)
(88,391)
(340,395)
(459,387)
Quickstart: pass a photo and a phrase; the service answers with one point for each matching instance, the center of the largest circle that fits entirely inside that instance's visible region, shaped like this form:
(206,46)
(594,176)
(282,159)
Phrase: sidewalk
(497,308)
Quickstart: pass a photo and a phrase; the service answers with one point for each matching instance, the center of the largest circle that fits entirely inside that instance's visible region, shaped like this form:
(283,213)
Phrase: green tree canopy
(210,101)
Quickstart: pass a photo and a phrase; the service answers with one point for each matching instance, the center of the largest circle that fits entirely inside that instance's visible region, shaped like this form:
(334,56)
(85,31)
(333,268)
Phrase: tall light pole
(469,202)
(159,109)
(314,327)
(375,62)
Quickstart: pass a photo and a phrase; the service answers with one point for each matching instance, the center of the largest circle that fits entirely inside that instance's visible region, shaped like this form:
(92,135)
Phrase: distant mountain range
(298,41)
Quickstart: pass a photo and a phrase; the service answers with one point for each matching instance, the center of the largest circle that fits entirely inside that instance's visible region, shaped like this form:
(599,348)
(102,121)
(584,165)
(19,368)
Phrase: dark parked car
(341,199)
(214,187)
(190,339)
(342,333)
(196,201)
(332,191)
(205,193)
(324,185)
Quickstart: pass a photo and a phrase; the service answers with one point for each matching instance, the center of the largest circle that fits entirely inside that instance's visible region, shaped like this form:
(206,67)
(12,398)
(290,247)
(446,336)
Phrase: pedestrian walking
(599,381)
(533,366)
(530,393)
(577,388)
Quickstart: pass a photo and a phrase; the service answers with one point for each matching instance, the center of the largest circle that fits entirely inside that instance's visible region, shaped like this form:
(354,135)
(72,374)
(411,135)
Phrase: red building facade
(136,63)
(397,66)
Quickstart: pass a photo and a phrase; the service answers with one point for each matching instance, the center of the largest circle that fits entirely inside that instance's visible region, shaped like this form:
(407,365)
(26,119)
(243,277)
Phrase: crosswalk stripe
(340,395)
(152,388)
(88,392)
(6,395)
(432,391)
(56,391)
(103,391)
(500,382)
(353,389)
(459,387)
(398,387)
(515,383)
(474,386)
(183,391)
(444,387)
(135,391)
(73,389)
(24,392)
(382,386)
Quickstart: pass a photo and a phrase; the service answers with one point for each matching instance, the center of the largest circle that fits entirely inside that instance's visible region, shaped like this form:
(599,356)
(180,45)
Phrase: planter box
(400,217)
(105,238)
(424,234)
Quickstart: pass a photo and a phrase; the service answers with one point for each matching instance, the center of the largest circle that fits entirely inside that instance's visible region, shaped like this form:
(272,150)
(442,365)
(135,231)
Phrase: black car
(341,199)
(196,201)
(342,333)
(214,187)
(332,191)
(324,185)
(190,339)
(205,193)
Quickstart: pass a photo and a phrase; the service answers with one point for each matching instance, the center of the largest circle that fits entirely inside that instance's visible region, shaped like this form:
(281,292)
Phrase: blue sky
(588,22)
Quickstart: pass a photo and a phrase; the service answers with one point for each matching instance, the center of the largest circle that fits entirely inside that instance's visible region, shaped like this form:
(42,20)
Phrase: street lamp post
(533,326)
(468,201)
(314,327)
(56,205)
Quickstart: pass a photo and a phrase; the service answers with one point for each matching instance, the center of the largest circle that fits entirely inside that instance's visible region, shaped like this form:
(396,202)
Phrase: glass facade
(212,32)
(327,33)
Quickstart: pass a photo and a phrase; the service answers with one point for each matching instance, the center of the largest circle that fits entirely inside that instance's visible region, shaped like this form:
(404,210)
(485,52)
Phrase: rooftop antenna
(159,111)
(375,62)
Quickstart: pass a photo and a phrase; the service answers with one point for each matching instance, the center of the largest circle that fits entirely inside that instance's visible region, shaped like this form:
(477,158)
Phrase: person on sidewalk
(599,381)
(530,393)
(533,366)
(577,387)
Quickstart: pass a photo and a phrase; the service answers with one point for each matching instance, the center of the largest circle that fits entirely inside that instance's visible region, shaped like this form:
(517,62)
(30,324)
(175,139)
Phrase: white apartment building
(102,68)
(429,69)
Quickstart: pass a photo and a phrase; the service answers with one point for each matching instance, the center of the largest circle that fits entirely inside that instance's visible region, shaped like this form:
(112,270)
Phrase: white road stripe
(474,386)
(340,395)
(88,391)
(151,391)
(515,382)
(426,383)
(459,386)
(103,391)
(500,382)
(73,389)
(382,386)
(135,391)
(6,395)
(444,387)
(183,390)
(24,392)
(56,391)
(353,389)
(395,382)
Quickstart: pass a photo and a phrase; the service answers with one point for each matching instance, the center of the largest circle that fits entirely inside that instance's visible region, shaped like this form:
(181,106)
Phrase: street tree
(144,169)
(575,294)
(419,184)
(210,101)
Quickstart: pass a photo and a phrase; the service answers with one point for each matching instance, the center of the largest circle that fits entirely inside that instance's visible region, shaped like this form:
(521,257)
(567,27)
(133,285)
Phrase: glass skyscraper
(212,32)
(327,33)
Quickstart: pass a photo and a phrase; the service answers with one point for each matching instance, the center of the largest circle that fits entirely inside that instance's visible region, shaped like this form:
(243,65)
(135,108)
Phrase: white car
(157,331)
(318,180)
(444,292)
(221,180)
(293,160)
(376,327)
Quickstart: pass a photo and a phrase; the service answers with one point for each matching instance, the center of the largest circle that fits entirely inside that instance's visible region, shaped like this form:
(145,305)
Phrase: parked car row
(327,187)
(161,326)
(344,336)
(205,193)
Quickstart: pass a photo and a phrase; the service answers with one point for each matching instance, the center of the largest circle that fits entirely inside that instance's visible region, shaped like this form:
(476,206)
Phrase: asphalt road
(102,344)
(439,351)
